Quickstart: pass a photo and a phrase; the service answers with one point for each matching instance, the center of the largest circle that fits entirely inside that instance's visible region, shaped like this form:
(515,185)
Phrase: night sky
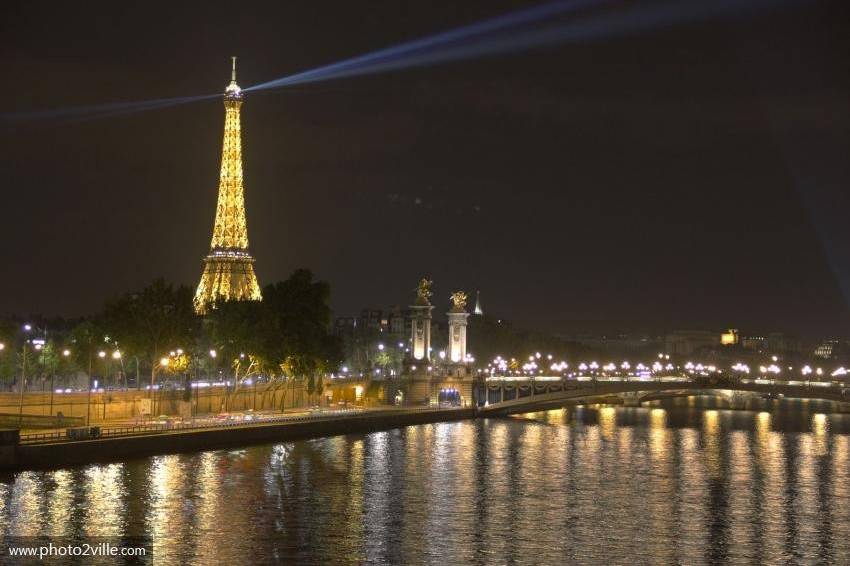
(694,176)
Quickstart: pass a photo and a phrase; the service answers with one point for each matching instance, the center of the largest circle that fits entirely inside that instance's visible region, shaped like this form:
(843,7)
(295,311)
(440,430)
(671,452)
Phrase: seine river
(678,483)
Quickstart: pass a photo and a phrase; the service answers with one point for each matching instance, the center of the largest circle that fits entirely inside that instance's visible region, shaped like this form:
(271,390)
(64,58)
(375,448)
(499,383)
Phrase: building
(397,321)
(832,349)
(688,342)
(781,343)
(344,326)
(730,337)
(754,343)
(372,319)
(620,344)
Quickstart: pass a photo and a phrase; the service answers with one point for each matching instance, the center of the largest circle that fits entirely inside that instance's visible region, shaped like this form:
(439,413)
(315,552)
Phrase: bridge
(538,394)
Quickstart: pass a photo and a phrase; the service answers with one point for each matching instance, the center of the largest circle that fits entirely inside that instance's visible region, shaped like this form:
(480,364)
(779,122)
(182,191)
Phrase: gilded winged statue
(423,292)
(458,300)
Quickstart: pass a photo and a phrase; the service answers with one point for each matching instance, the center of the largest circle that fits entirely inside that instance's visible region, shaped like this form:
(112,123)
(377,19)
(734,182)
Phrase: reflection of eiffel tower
(229,268)
(477,309)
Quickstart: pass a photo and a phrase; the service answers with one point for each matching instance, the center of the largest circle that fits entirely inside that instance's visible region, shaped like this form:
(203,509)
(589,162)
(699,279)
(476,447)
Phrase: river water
(677,482)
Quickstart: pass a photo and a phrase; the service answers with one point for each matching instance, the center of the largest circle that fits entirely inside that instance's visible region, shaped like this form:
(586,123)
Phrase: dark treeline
(153,336)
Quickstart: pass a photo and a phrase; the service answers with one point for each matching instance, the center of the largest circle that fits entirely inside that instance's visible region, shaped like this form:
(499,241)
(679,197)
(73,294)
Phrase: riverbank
(65,453)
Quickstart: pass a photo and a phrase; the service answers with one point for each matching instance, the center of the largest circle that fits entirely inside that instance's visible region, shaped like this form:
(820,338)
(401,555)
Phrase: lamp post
(2,347)
(100,355)
(163,363)
(116,355)
(65,354)
(23,384)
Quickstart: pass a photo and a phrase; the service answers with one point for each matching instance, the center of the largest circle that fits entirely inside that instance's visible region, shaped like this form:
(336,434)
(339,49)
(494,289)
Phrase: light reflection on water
(679,482)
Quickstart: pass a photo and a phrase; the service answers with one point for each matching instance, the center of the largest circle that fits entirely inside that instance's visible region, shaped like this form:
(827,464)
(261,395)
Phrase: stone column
(420,330)
(457,336)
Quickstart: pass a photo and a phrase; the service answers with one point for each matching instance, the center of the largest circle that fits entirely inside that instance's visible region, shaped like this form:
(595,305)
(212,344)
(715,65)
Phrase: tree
(86,339)
(285,337)
(8,353)
(153,321)
(299,316)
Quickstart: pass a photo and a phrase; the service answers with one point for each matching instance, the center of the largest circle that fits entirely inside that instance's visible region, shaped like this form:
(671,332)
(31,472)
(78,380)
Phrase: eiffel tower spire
(229,268)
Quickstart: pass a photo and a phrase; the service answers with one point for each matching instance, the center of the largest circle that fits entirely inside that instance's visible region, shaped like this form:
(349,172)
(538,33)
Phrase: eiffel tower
(229,268)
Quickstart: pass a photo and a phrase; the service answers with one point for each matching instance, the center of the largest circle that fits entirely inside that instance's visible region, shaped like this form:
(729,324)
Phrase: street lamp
(23,384)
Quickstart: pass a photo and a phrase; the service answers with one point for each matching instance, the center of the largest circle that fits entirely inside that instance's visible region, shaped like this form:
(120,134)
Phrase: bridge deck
(594,390)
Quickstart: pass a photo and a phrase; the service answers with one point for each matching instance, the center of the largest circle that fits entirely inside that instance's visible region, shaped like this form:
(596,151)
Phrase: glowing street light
(213,353)
(101,354)
(66,352)
(116,355)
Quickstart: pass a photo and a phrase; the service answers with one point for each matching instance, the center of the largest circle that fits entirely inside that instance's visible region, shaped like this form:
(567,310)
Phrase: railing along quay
(160,428)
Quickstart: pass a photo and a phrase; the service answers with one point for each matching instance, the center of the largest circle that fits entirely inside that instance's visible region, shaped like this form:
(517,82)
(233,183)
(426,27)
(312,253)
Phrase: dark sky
(691,176)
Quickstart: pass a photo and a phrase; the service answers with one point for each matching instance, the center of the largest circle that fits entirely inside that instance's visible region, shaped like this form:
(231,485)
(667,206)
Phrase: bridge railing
(544,379)
(199,424)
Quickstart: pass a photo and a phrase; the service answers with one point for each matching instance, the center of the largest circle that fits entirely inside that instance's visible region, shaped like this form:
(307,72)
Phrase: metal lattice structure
(229,267)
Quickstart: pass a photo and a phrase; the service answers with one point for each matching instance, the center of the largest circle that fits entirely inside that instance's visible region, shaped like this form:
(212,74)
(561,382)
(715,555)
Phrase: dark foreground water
(678,484)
